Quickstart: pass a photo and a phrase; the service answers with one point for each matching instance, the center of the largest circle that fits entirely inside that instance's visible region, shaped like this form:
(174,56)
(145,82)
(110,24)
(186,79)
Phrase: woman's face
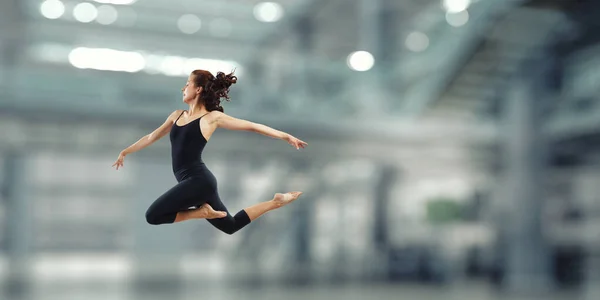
(190,91)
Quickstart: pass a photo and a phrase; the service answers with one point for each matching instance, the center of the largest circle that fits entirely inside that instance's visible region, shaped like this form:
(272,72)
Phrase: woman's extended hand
(296,143)
(119,162)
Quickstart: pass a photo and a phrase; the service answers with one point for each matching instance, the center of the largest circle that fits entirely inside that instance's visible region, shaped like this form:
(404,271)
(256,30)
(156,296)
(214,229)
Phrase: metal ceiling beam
(133,39)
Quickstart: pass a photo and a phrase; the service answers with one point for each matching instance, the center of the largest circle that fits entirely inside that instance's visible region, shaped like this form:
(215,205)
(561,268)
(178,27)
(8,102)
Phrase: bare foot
(287,198)
(207,212)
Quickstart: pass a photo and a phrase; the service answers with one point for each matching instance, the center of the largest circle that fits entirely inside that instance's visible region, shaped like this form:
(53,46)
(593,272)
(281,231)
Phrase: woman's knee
(153,218)
(224,225)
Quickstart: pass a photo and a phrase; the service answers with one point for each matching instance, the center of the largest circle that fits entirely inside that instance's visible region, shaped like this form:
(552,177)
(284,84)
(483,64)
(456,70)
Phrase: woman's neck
(197,108)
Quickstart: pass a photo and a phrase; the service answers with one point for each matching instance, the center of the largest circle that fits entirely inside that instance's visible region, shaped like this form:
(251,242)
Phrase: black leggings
(195,188)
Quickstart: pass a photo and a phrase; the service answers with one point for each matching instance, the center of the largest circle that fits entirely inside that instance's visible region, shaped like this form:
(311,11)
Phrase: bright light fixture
(189,24)
(117,2)
(52,9)
(454,6)
(107,15)
(85,12)
(268,12)
(107,60)
(360,61)
(211,65)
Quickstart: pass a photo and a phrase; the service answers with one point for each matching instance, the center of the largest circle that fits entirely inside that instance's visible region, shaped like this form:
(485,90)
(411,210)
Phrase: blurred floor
(462,291)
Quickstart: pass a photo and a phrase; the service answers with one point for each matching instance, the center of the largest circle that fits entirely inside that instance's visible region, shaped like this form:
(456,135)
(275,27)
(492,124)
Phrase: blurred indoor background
(451,149)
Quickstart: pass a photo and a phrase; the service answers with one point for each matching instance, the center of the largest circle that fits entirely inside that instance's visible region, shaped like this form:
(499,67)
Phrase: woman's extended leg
(279,200)
(231,224)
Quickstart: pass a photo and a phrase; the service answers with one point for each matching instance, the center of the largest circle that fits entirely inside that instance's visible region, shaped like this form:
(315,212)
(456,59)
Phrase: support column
(383,198)
(374,37)
(303,29)
(19,223)
(13,34)
(527,259)
(302,257)
(370,31)
(381,226)
(10,49)
(592,275)
(387,51)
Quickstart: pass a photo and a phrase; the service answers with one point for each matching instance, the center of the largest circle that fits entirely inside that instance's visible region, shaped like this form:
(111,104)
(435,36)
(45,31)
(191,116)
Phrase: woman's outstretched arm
(231,123)
(148,139)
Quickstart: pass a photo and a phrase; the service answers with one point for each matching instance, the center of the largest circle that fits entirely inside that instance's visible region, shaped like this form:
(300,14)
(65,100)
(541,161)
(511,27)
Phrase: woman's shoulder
(176,113)
(214,115)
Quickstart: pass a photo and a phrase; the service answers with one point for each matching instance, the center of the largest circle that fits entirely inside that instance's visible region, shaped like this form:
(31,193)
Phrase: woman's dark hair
(213,88)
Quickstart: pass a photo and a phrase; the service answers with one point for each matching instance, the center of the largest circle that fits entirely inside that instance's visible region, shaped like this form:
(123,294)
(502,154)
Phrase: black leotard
(196,184)
(187,144)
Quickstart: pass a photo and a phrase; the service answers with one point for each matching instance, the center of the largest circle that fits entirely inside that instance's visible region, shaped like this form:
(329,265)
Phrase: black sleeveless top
(187,144)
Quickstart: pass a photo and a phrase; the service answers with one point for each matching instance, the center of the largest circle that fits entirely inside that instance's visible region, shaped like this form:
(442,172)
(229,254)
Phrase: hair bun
(226,79)
(222,82)
(214,88)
